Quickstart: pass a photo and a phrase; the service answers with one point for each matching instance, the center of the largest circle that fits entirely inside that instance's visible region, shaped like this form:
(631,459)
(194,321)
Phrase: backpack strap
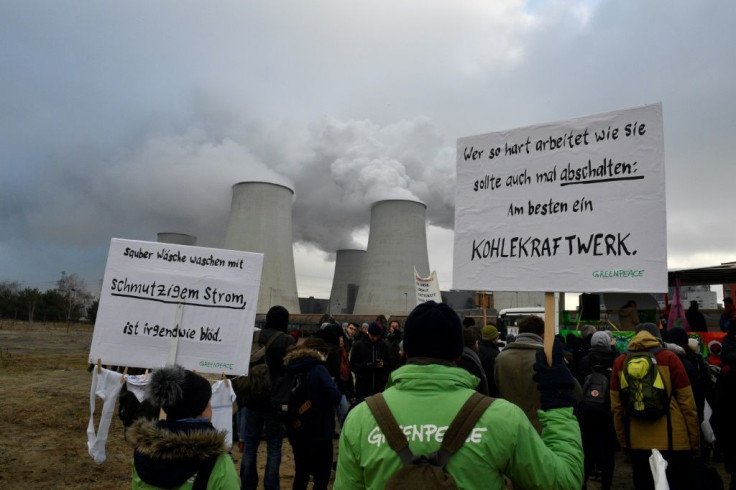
(459,429)
(462,425)
(271,339)
(390,427)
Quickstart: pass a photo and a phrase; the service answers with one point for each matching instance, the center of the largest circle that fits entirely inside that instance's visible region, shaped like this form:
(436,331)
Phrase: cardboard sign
(164,303)
(427,288)
(570,206)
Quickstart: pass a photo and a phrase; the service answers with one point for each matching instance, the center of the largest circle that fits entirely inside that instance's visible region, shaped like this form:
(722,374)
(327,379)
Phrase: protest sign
(162,303)
(577,205)
(427,288)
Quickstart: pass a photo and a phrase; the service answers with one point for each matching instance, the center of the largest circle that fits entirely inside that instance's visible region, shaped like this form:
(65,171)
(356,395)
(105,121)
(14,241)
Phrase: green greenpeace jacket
(424,399)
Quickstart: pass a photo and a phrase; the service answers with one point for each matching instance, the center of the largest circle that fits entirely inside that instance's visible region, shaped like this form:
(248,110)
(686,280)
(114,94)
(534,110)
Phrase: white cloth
(659,467)
(222,400)
(106,384)
(138,385)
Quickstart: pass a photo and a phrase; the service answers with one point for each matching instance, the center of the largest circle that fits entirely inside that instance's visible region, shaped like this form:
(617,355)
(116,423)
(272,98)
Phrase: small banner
(162,303)
(427,288)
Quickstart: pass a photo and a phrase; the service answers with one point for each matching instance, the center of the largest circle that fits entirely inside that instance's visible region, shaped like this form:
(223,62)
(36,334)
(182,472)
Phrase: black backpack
(427,472)
(290,398)
(597,391)
(256,385)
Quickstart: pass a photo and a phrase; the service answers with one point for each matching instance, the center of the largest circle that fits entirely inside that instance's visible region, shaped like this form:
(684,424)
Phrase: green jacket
(424,399)
(168,458)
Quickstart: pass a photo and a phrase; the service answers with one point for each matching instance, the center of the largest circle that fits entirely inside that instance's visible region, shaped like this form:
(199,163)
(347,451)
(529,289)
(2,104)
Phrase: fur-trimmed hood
(302,352)
(167,454)
(159,440)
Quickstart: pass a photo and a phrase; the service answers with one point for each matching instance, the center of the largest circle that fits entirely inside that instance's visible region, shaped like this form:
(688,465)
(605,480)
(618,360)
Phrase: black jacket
(369,379)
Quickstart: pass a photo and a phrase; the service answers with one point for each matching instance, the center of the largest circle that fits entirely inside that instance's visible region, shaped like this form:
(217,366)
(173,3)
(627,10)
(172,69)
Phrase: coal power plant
(346,280)
(397,243)
(261,221)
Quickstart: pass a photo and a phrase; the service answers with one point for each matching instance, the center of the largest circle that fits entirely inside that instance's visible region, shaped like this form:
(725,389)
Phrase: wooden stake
(99,366)
(549,325)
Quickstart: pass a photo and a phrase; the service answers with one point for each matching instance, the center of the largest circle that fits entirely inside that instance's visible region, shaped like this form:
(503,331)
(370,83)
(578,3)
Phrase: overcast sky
(125,119)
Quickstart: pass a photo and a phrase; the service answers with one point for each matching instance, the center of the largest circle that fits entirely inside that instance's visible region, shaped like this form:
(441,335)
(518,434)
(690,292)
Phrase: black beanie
(433,330)
(678,335)
(182,394)
(277,318)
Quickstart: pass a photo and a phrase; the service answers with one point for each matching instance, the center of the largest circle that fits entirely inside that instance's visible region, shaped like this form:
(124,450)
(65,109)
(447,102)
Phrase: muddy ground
(44,412)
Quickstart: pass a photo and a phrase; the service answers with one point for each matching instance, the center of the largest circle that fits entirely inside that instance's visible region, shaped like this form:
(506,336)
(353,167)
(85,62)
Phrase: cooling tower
(260,221)
(397,242)
(345,282)
(176,238)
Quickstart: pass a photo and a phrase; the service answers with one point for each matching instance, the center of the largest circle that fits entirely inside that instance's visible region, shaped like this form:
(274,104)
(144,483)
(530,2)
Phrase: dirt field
(44,400)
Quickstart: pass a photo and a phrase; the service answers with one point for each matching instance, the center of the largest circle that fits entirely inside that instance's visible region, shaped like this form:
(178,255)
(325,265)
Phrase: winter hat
(651,328)
(490,333)
(433,330)
(587,330)
(694,346)
(375,328)
(180,393)
(600,339)
(277,318)
(678,336)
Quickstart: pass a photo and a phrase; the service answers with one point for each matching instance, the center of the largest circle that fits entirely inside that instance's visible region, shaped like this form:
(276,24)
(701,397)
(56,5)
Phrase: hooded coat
(170,454)
(323,396)
(646,434)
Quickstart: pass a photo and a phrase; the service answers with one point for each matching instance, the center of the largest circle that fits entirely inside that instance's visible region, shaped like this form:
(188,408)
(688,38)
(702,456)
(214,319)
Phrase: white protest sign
(162,302)
(427,288)
(577,205)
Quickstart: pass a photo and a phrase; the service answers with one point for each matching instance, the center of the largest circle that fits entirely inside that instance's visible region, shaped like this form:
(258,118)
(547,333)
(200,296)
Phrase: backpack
(597,391)
(427,472)
(643,393)
(256,385)
(290,398)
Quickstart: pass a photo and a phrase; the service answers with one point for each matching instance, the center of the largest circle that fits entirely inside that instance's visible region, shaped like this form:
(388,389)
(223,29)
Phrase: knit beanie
(180,393)
(651,328)
(489,332)
(433,330)
(600,339)
(277,318)
(375,329)
(678,336)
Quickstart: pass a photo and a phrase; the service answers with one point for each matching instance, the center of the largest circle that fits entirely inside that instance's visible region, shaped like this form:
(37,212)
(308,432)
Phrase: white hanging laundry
(222,401)
(106,384)
(138,385)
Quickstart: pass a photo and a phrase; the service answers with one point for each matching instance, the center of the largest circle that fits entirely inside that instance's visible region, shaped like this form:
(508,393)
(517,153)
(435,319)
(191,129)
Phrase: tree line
(69,301)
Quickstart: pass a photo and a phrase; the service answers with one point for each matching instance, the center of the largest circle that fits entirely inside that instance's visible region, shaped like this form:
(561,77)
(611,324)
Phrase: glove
(555,382)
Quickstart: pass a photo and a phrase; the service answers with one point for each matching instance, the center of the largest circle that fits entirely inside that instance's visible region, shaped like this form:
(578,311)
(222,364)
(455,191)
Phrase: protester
(184,450)
(728,316)
(488,350)
(349,335)
(695,318)
(514,369)
(502,443)
(393,340)
(676,434)
(470,361)
(310,435)
(258,417)
(596,421)
(370,362)
(628,316)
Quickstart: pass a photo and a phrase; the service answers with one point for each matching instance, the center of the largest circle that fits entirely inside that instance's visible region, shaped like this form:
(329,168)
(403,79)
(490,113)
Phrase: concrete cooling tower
(260,221)
(397,242)
(345,282)
(176,238)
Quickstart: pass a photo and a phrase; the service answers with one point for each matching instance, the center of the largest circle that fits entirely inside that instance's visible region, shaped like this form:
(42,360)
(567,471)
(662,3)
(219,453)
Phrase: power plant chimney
(345,282)
(260,221)
(176,238)
(397,243)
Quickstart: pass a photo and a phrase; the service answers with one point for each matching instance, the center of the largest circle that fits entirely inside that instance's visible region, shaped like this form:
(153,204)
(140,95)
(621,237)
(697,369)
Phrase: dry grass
(44,400)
